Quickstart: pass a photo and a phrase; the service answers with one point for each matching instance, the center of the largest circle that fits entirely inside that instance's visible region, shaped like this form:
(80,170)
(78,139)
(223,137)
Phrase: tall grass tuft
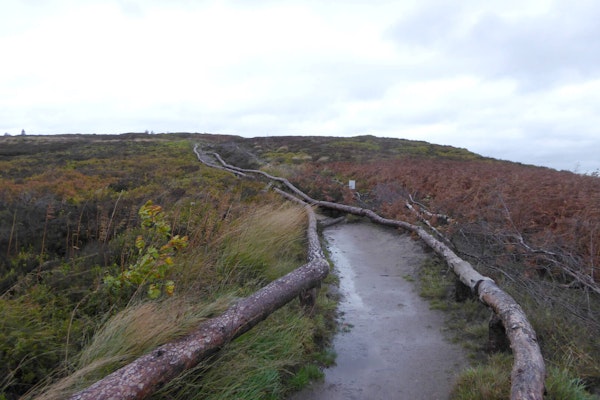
(264,245)
(142,327)
(562,385)
(489,381)
(134,331)
(254,246)
(260,364)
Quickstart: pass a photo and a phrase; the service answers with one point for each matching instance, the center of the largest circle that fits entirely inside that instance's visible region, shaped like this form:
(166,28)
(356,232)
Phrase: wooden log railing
(528,372)
(144,375)
(147,373)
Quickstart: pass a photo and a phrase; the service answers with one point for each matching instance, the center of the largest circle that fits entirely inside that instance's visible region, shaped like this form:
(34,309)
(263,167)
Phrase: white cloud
(514,80)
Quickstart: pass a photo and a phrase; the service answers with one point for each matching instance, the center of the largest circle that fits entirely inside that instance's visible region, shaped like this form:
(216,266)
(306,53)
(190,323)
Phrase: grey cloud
(427,26)
(540,144)
(539,51)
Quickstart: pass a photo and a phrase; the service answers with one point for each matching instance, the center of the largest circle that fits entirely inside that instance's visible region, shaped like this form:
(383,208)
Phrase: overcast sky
(515,80)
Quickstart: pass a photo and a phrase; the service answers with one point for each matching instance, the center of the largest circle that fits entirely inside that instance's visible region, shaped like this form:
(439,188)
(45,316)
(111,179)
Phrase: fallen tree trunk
(528,372)
(237,170)
(202,158)
(147,373)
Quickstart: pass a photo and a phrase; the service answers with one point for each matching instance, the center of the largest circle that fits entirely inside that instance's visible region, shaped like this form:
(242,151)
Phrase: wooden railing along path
(528,372)
(144,375)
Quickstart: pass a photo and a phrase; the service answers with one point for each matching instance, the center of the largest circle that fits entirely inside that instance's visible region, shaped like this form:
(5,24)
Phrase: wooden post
(461,291)
(497,340)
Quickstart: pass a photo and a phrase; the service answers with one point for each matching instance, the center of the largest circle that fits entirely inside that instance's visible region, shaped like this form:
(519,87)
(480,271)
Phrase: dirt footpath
(391,345)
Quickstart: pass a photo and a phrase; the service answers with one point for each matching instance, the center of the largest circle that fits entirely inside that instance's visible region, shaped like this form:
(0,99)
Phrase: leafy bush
(156,248)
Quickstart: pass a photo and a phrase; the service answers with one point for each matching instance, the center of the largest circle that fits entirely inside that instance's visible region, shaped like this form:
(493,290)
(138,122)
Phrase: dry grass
(266,244)
(255,365)
(142,327)
(260,246)
(133,332)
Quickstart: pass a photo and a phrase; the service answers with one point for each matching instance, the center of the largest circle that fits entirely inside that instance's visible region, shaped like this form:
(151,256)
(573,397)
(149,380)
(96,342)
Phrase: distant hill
(69,215)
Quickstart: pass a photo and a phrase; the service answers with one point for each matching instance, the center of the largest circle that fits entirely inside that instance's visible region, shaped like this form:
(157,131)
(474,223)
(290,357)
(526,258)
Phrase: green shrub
(562,385)
(489,381)
(156,248)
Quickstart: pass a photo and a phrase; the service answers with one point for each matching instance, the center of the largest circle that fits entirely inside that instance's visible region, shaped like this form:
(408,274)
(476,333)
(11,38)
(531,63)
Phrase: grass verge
(488,377)
(280,355)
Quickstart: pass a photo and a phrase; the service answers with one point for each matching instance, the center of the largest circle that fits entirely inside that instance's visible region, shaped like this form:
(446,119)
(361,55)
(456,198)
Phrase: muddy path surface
(391,345)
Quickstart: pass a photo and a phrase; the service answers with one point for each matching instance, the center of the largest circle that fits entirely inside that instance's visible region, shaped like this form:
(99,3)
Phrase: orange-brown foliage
(553,211)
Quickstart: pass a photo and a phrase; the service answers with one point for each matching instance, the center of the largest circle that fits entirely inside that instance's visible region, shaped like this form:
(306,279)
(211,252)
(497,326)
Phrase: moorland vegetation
(112,245)
(534,230)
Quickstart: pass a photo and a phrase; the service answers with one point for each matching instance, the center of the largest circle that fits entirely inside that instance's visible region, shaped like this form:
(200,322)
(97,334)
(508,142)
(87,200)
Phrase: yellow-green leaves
(156,248)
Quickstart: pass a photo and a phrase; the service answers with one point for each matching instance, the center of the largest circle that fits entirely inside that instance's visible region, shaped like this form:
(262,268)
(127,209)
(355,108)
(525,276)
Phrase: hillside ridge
(69,215)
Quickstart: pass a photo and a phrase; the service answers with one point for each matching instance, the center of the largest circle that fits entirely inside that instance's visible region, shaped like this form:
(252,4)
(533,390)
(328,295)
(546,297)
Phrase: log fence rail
(147,373)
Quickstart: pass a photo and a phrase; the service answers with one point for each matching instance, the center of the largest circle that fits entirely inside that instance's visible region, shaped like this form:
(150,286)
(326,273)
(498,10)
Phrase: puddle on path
(394,347)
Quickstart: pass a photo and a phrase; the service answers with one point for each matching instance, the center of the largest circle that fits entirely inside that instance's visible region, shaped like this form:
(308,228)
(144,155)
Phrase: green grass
(281,354)
(433,284)
(562,385)
(142,327)
(267,242)
(465,321)
(487,381)
(568,343)
(491,381)
(489,375)
(307,374)
(265,363)
(81,194)
(326,357)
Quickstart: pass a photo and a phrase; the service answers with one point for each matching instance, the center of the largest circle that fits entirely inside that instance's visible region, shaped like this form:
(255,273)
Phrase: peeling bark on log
(147,373)
(528,372)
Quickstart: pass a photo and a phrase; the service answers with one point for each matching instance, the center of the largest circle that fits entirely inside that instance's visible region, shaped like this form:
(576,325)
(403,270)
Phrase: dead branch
(423,209)
(439,234)
(551,257)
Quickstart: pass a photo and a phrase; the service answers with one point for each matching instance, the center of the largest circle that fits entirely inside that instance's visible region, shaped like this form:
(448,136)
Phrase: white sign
(352,184)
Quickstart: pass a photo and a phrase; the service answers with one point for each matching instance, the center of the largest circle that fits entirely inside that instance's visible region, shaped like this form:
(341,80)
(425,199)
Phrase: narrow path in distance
(391,345)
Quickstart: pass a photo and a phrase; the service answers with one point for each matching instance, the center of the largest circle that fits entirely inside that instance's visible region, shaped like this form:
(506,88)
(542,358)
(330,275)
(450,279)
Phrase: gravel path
(391,345)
